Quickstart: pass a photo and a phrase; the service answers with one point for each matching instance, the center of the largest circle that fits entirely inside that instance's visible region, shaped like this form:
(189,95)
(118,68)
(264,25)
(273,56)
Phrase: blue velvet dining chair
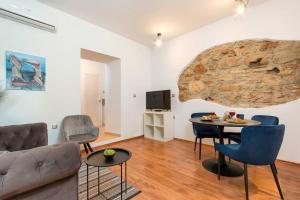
(259,146)
(264,119)
(203,131)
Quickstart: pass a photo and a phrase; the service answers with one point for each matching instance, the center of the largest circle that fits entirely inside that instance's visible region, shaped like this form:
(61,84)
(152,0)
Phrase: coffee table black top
(97,158)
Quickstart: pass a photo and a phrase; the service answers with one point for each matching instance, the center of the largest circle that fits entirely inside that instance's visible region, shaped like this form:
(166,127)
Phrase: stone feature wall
(248,73)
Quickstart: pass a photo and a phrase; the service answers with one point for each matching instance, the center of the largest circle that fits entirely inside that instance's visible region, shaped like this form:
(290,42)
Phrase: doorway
(101,93)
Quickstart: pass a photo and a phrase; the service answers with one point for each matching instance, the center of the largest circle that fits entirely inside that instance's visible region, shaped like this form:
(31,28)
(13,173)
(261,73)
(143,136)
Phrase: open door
(92,98)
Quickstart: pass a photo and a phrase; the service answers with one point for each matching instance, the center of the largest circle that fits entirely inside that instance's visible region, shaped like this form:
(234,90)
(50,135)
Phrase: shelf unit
(159,125)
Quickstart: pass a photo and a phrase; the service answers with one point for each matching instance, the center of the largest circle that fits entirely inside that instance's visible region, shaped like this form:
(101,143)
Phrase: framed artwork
(25,72)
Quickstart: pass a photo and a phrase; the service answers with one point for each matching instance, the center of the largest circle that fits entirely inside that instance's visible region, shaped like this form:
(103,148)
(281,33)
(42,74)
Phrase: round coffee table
(97,159)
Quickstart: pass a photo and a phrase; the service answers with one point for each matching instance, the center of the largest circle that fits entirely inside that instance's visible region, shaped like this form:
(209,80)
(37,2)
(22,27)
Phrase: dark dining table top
(220,122)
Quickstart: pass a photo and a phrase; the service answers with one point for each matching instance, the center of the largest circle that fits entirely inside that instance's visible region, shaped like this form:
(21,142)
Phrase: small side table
(97,159)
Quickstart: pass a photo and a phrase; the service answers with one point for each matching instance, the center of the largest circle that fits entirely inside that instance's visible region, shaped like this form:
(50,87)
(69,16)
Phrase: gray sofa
(31,170)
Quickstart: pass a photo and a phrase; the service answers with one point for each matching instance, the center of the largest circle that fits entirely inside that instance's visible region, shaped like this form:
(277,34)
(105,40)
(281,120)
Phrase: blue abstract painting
(25,72)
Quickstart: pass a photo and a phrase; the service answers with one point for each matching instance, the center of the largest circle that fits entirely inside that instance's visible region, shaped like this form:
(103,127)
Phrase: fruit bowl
(109,153)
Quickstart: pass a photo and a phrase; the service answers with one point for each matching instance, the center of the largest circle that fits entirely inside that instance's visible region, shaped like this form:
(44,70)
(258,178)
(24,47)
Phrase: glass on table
(240,116)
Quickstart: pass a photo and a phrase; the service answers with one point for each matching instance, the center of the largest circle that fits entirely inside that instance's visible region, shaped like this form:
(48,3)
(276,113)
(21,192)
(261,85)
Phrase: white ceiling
(140,20)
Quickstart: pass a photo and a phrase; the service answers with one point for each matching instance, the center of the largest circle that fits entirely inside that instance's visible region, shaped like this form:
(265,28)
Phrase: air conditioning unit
(26,20)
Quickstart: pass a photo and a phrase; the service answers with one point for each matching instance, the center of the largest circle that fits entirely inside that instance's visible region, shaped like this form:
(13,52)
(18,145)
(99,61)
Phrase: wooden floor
(106,136)
(172,171)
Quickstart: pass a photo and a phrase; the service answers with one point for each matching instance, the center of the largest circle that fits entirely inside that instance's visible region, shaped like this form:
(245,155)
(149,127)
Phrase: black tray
(97,158)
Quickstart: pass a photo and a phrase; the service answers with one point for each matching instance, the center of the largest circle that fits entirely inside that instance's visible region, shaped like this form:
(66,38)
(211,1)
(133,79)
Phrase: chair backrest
(266,119)
(76,124)
(203,129)
(260,144)
(22,137)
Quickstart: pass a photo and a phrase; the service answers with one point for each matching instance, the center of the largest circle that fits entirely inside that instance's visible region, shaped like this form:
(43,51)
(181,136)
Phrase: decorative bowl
(109,153)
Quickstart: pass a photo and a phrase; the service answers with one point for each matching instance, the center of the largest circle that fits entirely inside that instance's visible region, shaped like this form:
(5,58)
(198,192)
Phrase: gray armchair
(80,129)
(33,171)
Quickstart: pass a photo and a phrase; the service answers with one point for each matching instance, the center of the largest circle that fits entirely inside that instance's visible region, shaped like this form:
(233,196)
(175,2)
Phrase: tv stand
(157,110)
(159,125)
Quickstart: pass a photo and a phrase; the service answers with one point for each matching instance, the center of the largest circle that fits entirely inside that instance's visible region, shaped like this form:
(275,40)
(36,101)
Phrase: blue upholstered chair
(264,119)
(203,131)
(259,146)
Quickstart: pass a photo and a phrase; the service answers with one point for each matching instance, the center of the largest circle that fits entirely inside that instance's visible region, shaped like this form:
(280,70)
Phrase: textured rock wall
(248,73)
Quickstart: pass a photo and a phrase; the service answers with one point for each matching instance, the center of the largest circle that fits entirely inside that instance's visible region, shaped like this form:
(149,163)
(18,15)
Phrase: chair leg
(89,146)
(86,149)
(229,142)
(275,168)
(246,180)
(219,167)
(200,145)
(214,139)
(274,171)
(195,145)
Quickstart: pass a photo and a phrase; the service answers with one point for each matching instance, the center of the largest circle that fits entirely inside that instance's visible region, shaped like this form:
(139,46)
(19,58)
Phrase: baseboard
(185,140)
(209,145)
(120,141)
(178,139)
(113,143)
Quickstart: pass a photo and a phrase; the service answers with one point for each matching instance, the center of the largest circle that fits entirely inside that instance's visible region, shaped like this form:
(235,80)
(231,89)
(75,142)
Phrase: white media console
(159,125)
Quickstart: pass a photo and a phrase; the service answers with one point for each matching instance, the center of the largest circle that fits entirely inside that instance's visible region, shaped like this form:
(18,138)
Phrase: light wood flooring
(172,171)
(106,136)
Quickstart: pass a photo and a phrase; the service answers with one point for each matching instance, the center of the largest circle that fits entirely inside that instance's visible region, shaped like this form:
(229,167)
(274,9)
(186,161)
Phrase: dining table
(228,169)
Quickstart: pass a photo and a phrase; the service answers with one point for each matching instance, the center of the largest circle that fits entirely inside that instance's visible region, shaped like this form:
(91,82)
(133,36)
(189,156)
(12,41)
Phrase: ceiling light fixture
(241,6)
(158,41)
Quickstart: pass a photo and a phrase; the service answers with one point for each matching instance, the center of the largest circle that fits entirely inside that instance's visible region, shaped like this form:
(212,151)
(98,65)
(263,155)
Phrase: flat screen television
(158,100)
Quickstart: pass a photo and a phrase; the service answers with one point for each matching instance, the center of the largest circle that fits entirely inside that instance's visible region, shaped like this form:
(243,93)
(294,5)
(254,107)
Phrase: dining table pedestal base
(227,169)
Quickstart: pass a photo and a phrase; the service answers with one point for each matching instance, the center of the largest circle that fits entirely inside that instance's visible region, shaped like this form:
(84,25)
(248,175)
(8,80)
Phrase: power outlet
(54,126)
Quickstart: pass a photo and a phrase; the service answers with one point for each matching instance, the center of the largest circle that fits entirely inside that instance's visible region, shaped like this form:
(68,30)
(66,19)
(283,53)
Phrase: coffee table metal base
(227,169)
(98,181)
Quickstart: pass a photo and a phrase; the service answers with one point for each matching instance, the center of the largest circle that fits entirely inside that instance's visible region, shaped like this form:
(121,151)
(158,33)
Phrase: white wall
(275,19)
(62,52)
(113,100)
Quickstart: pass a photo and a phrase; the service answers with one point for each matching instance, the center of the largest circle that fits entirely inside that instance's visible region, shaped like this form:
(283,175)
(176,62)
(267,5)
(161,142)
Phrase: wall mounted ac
(26,20)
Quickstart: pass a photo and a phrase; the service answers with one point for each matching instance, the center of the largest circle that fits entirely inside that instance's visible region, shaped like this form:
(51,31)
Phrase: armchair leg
(274,171)
(200,145)
(86,149)
(195,145)
(246,180)
(89,146)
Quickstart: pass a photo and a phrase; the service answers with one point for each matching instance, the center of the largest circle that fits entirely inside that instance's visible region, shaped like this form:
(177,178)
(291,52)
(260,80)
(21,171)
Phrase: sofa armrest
(23,171)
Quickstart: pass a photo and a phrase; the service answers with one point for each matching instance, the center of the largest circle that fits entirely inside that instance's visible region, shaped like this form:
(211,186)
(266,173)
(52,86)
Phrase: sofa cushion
(22,171)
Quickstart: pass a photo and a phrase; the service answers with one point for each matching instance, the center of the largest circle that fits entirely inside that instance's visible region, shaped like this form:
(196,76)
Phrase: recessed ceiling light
(241,6)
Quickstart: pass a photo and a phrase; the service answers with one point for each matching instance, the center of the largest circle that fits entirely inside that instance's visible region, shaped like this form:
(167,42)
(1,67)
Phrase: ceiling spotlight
(158,41)
(241,6)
